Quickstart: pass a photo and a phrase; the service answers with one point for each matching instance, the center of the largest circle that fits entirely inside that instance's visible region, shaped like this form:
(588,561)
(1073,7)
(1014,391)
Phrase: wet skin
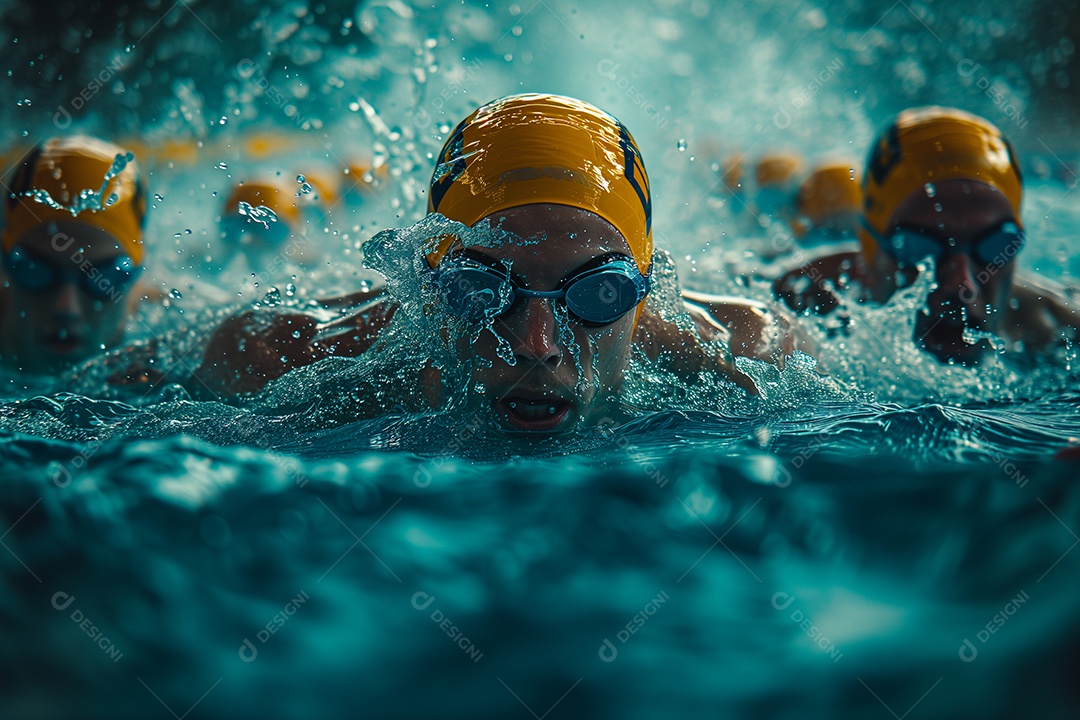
(50,331)
(969,293)
(544,391)
(541,391)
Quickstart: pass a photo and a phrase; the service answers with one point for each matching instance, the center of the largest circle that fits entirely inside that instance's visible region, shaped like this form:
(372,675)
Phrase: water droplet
(159,197)
(175,294)
(930,190)
(222,165)
(223,120)
(681,145)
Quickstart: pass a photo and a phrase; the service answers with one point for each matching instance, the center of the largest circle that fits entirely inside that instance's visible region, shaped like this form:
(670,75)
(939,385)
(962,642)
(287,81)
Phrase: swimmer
(828,205)
(569,178)
(72,247)
(777,179)
(944,184)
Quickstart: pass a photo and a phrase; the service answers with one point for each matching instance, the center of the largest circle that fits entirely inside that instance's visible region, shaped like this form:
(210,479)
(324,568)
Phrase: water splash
(87,199)
(260,214)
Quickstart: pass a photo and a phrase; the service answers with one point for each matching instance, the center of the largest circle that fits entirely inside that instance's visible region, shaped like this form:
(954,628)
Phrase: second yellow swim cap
(527,149)
(67,169)
(928,145)
(831,192)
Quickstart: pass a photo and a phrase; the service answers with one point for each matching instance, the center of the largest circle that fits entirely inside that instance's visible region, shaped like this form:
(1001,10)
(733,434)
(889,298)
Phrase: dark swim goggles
(598,293)
(909,246)
(102,280)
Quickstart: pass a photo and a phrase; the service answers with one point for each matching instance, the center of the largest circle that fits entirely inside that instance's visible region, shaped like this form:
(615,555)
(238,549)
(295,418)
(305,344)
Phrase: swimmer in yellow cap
(828,205)
(942,184)
(72,247)
(776,178)
(566,182)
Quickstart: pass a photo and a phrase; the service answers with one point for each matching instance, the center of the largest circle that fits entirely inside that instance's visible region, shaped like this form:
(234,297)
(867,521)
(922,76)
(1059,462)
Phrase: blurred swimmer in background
(944,185)
(567,294)
(828,205)
(72,248)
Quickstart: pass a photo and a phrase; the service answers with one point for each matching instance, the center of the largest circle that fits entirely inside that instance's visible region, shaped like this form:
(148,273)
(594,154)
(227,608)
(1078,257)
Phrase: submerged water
(892,540)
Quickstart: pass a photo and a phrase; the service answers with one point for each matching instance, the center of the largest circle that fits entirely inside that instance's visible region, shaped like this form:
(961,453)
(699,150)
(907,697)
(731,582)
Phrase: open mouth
(535,414)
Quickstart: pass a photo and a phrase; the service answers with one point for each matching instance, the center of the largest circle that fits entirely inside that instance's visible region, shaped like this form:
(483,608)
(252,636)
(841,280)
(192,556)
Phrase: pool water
(878,536)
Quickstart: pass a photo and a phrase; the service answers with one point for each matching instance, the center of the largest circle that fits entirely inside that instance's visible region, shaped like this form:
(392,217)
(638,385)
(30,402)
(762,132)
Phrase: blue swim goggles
(909,246)
(102,280)
(598,293)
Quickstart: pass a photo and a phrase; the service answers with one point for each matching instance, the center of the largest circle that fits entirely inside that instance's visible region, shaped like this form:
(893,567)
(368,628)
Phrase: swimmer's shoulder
(252,348)
(1040,310)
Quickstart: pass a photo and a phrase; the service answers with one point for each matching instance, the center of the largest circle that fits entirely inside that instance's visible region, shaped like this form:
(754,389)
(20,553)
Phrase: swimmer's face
(52,329)
(970,293)
(546,390)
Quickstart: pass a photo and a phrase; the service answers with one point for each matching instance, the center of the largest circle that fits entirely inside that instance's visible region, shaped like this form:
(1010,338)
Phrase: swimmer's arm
(1044,311)
(248,351)
(803,289)
(683,352)
(762,331)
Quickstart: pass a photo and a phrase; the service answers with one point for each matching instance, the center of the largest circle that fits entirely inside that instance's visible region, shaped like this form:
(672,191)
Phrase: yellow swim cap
(831,190)
(931,144)
(777,168)
(66,168)
(527,149)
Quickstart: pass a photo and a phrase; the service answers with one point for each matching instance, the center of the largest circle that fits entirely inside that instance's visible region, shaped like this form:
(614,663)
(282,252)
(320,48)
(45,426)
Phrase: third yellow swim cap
(527,149)
(68,169)
(928,145)
(831,192)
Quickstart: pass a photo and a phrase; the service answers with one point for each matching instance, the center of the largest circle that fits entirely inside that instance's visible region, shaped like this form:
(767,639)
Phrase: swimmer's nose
(536,335)
(960,296)
(66,303)
(958,285)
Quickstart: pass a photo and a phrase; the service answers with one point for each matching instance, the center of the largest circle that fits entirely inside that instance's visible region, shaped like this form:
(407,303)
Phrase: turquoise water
(892,540)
